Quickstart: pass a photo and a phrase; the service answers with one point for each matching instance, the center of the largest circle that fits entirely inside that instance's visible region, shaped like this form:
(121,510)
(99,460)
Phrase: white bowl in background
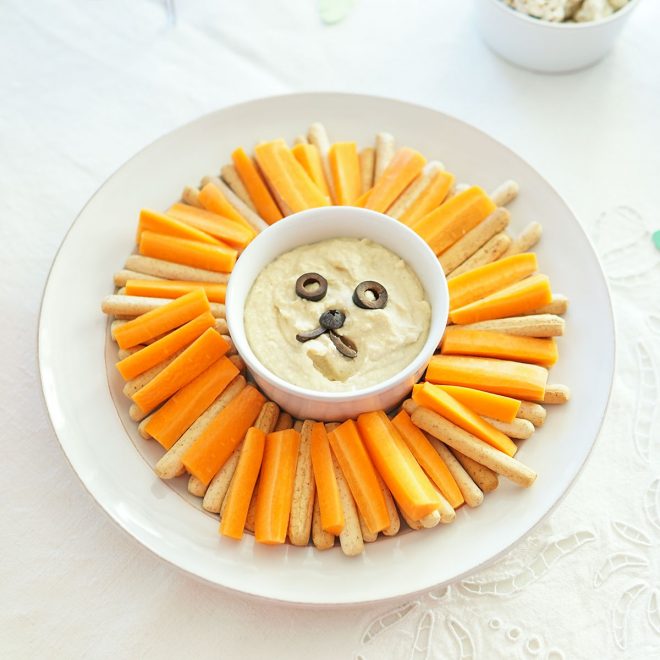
(317,225)
(546,46)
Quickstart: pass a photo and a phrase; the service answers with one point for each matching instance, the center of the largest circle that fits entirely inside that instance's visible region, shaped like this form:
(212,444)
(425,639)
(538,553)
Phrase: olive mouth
(329,322)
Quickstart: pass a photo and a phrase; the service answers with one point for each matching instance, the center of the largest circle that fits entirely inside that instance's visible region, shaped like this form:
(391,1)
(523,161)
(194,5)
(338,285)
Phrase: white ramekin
(316,225)
(545,46)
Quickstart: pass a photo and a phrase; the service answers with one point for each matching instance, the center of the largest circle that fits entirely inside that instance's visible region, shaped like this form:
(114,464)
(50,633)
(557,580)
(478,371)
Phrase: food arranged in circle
(336,315)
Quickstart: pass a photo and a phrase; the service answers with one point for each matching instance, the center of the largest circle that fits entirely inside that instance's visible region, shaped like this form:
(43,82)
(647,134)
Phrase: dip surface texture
(387,339)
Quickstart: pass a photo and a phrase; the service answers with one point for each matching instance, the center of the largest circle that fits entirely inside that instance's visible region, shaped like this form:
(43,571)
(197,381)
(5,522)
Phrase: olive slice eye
(370,295)
(311,286)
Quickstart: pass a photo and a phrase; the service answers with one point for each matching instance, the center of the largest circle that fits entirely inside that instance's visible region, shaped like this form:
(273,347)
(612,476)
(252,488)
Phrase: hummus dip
(386,339)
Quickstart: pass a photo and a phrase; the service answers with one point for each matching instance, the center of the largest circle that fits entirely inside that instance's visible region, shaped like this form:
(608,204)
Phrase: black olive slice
(306,290)
(333,319)
(310,334)
(343,344)
(370,295)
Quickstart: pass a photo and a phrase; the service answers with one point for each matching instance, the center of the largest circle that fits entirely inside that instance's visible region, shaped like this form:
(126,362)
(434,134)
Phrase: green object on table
(656,238)
(334,11)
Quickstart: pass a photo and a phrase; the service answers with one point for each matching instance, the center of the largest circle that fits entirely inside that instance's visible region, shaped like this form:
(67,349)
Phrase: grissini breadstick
(122,276)
(532,412)
(431,520)
(556,394)
(491,251)
(471,446)
(123,353)
(300,139)
(135,413)
(318,136)
(190,196)
(413,524)
(297,425)
(255,221)
(485,479)
(137,383)
(196,487)
(395,522)
(505,193)
(458,188)
(446,510)
(367,163)
(367,535)
(304,487)
(527,239)
(519,429)
(170,465)
(409,406)
(121,291)
(534,325)
(558,305)
(232,349)
(284,422)
(466,246)
(168,270)
(237,361)
(142,427)
(132,306)
(321,539)
(231,178)
(414,190)
(384,154)
(350,538)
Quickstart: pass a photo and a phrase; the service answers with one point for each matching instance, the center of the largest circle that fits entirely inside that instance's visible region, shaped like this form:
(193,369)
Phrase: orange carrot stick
(275,493)
(345,167)
(514,379)
(428,458)
(410,487)
(484,280)
(176,416)
(216,444)
(215,291)
(256,187)
(200,355)
(310,159)
(430,198)
(327,491)
(444,404)
(212,199)
(444,226)
(360,474)
(162,224)
(403,168)
(218,258)
(503,408)
(149,356)
(519,298)
(361,201)
(234,234)
(484,343)
(243,483)
(162,319)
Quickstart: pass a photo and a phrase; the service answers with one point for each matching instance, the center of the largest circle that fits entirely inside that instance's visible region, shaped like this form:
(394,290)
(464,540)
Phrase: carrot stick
(521,297)
(245,478)
(484,343)
(172,419)
(310,159)
(436,399)
(208,454)
(428,458)
(162,224)
(442,227)
(433,194)
(502,408)
(190,253)
(162,319)
(402,169)
(345,167)
(332,516)
(360,474)
(160,350)
(514,379)
(406,480)
(275,492)
(256,187)
(215,292)
(212,199)
(481,282)
(233,233)
(200,355)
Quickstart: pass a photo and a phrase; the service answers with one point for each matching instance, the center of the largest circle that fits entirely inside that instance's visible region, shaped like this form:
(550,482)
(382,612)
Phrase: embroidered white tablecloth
(87,83)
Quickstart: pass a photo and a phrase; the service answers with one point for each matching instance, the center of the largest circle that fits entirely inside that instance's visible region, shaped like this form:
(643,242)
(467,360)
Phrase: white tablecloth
(85,84)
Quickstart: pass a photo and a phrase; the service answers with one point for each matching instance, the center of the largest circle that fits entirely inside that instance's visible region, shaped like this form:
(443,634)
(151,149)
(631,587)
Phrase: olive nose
(333,319)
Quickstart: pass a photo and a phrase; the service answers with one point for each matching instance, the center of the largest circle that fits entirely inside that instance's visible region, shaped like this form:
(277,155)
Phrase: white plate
(114,463)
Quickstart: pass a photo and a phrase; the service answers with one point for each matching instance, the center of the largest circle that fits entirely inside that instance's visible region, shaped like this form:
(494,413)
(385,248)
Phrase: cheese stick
(518,429)
(304,487)
(526,240)
(220,327)
(556,394)
(534,325)
(367,163)
(190,196)
(321,539)
(255,221)
(484,478)
(136,305)
(168,270)
(532,412)
(491,251)
(505,193)
(230,177)
(318,136)
(384,154)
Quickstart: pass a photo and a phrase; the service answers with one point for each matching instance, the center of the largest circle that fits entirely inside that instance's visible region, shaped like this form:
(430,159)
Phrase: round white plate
(89,413)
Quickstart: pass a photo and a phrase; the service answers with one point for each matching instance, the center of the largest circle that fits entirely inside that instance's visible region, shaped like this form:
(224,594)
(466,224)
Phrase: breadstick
(318,136)
(190,195)
(367,162)
(471,446)
(231,178)
(472,494)
(395,522)
(297,425)
(300,139)
(534,325)
(136,305)
(237,361)
(413,524)
(527,239)
(304,487)
(255,221)
(458,188)
(142,427)
(122,276)
(135,413)
(505,193)
(196,487)
(446,510)
(168,270)
(367,535)
(533,412)
(384,154)
(350,538)
(558,305)
(123,353)
(430,520)
(555,394)
(170,465)
(486,479)
(137,383)
(232,348)
(284,422)
(413,191)
(519,429)
(468,245)
(409,406)
(321,539)
(489,252)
